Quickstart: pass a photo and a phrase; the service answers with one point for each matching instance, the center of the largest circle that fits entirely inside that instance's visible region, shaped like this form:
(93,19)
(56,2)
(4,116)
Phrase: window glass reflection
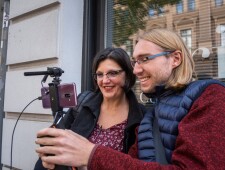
(125,20)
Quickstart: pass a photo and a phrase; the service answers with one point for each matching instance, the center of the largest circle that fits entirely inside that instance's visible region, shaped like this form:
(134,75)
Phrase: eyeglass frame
(95,75)
(140,61)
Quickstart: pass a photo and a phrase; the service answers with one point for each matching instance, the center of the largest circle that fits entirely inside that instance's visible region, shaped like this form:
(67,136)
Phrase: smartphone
(67,96)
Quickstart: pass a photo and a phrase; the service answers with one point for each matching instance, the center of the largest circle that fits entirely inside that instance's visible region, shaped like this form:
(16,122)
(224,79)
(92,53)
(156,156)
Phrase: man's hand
(63,147)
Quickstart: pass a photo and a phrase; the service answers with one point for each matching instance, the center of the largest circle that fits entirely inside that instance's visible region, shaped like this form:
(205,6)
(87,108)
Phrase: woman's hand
(63,147)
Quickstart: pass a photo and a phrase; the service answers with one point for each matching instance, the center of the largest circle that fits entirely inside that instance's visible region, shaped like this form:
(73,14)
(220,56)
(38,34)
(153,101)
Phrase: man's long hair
(171,41)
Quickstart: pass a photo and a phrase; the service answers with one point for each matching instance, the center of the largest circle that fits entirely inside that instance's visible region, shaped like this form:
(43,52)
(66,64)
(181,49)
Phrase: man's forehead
(144,47)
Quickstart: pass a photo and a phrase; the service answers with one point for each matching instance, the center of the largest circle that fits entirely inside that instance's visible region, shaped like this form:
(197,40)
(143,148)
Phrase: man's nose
(137,69)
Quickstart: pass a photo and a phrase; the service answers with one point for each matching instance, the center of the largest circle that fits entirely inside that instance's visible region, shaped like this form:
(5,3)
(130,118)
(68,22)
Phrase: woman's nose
(105,78)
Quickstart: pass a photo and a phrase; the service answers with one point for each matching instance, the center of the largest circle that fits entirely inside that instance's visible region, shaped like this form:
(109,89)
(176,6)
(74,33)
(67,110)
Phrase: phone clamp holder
(54,72)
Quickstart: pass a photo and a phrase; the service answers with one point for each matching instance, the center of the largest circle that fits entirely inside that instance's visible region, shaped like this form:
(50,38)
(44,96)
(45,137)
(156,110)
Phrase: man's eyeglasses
(144,59)
(109,75)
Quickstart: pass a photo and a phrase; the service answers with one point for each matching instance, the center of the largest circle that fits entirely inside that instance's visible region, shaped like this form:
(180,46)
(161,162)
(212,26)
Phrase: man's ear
(176,58)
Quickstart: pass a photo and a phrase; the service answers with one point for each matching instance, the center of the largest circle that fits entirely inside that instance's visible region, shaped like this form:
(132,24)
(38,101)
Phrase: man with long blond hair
(184,130)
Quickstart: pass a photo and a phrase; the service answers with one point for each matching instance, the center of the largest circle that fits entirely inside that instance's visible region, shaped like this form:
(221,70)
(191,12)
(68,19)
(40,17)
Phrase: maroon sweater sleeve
(199,145)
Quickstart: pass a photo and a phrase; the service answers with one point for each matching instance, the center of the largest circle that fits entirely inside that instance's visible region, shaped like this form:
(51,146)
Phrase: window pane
(191,5)
(126,19)
(161,11)
(218,2)
(222,30)
(151,12)
(186,36)
(180,7)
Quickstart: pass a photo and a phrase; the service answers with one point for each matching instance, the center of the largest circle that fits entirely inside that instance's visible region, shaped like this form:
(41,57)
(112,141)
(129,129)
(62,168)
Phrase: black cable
(39,98)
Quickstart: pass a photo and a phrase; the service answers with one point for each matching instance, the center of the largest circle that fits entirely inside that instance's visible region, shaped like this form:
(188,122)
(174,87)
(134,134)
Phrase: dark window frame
(93,38)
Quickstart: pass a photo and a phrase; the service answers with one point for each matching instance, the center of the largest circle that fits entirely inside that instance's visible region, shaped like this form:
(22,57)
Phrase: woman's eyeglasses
(109,75)
(144,59)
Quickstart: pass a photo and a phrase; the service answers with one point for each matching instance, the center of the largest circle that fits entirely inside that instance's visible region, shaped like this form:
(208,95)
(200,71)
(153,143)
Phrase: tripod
(57,111)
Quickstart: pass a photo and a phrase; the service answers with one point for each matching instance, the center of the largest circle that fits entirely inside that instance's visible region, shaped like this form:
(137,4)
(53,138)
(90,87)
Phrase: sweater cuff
(91,155)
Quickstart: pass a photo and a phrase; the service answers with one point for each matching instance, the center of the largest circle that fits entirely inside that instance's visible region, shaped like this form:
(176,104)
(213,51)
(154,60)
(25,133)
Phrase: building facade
(201,24)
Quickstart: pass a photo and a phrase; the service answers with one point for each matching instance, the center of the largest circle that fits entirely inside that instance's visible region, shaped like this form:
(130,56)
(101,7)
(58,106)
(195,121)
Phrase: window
(186,36)
(161,11)
(191,5)
(222,31)
(151,12)
(126,20)
(179,7)
(218,2)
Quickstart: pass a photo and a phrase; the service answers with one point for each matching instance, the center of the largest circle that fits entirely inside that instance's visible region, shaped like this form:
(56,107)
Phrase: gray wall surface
(43,33)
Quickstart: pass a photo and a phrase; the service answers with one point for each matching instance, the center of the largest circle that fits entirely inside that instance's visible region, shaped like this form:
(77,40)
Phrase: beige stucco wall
(43,33)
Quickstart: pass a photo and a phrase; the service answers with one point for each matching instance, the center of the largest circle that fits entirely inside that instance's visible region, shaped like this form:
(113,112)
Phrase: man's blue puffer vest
(170,109)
